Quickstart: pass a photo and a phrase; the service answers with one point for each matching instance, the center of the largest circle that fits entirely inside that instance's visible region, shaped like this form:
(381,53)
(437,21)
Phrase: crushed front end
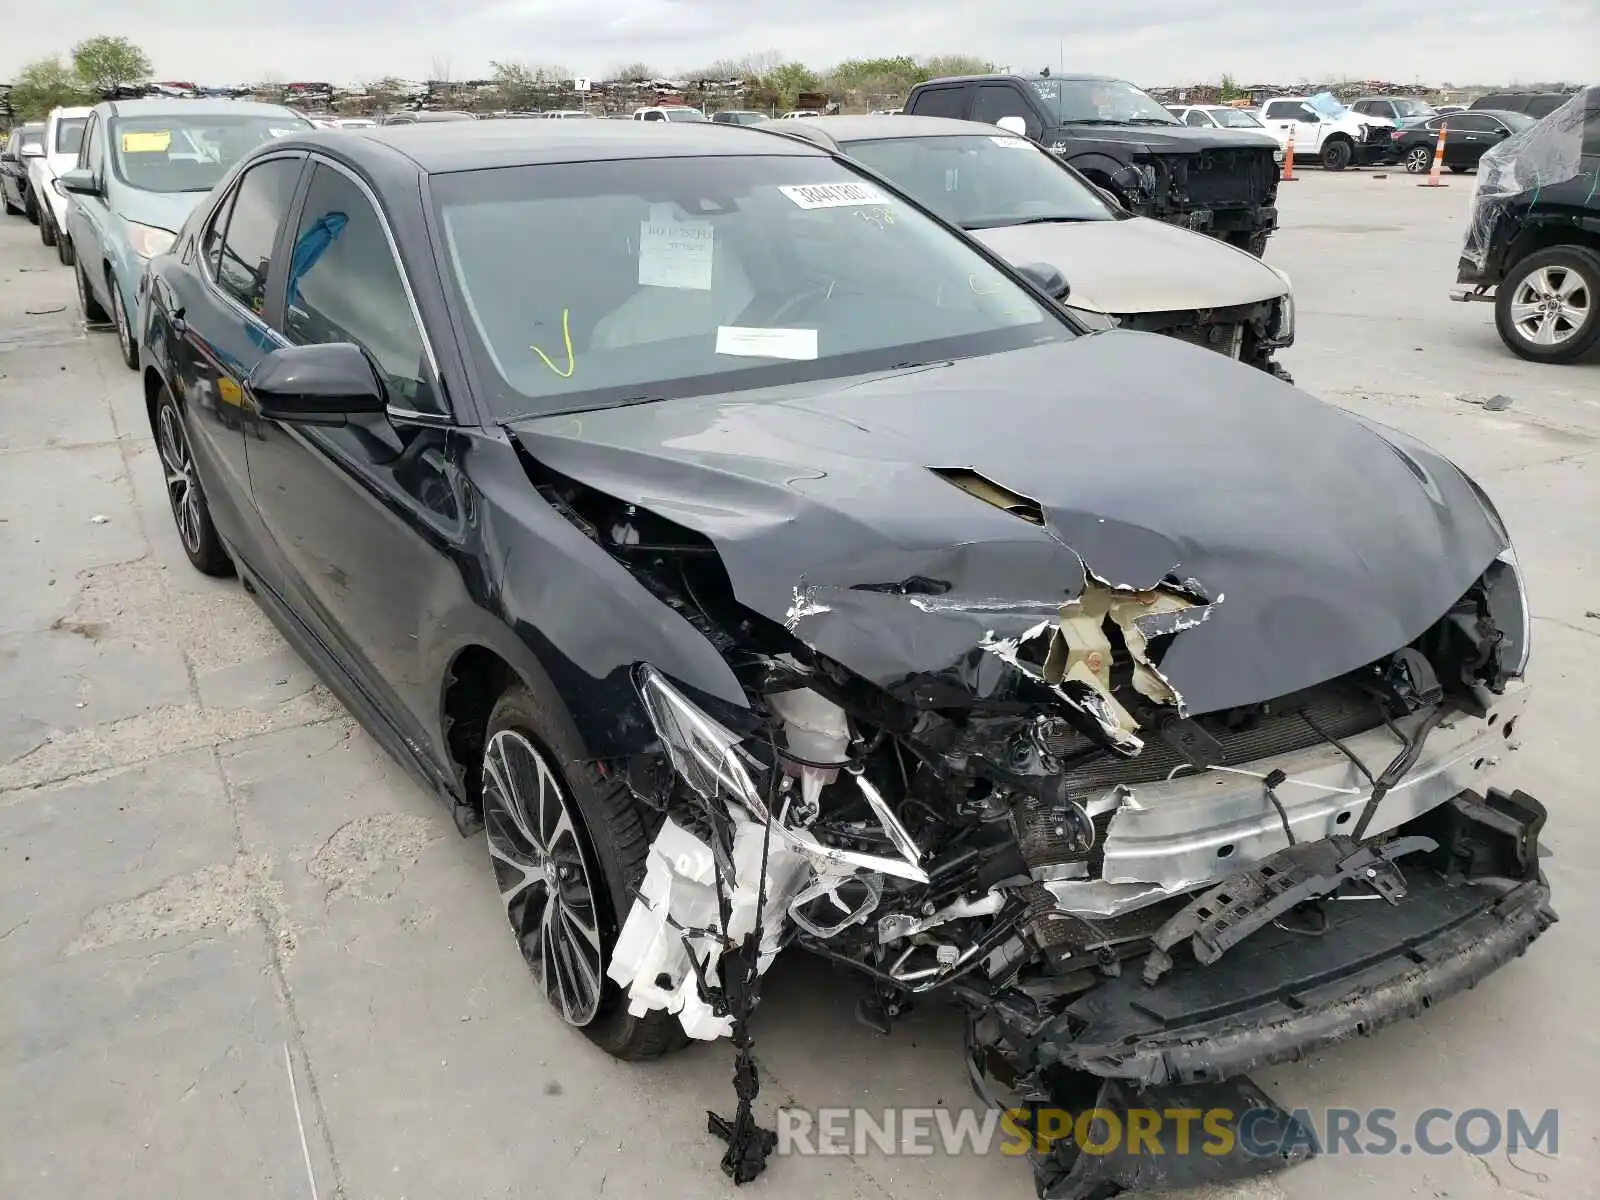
(1250,333)
(1150,834)
(1227,192)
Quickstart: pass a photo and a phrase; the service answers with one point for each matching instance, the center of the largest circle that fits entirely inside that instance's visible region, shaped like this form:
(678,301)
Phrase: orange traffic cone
(1288,159)
(1438,160)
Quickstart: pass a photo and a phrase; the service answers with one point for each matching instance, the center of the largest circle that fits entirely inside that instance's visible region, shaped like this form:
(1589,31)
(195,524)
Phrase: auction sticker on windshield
(797,344)
(834,195)
(1012,143)
(674,253)
(150,141)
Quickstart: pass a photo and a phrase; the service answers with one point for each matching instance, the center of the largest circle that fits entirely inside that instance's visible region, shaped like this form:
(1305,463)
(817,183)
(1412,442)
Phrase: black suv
(1219,181)
(1535,104)
(1533,242)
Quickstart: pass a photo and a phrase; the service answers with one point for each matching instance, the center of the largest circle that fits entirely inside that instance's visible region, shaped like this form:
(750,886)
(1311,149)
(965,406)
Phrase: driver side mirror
(1111,198)
(1014,125)
(321,384)
(79,180)
(1046,278)
(32,152)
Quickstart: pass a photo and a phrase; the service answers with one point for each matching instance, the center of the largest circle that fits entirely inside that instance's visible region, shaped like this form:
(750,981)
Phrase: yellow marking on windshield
(566,335)
(153,141)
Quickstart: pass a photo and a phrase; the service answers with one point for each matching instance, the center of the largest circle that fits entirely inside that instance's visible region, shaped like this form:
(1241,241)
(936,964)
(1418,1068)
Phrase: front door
(87,214)
(362,514)
(225,333)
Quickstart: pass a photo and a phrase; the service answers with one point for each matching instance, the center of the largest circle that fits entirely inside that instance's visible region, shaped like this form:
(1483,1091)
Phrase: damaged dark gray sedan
(771,569)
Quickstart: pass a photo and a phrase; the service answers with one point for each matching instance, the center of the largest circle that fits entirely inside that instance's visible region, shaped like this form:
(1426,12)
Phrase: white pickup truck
(1330,133)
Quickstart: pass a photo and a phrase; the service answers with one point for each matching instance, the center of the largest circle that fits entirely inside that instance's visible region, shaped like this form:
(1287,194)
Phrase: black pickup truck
(1218,181)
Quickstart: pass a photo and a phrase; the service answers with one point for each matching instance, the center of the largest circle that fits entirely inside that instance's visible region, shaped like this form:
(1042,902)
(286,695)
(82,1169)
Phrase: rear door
(1469,136)
(361,514)
(87,214)
(943,100)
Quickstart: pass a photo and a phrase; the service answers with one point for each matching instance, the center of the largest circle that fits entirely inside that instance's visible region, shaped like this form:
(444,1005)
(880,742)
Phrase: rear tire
(11,209)
(93,314)
(187,499)
(1461,170)
(567,844)
(1336,154)
(1419,160)
(1548,307)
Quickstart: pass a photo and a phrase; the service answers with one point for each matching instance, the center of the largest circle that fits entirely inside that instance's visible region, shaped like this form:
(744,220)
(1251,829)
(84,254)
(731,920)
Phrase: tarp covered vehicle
(1533,235)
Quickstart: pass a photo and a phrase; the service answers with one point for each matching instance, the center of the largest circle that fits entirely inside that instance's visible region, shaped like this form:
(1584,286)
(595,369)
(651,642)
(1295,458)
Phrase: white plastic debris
(99,519)
(651,960)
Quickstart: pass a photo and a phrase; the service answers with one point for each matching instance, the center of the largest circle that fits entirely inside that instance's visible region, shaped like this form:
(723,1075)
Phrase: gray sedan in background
(1113,268)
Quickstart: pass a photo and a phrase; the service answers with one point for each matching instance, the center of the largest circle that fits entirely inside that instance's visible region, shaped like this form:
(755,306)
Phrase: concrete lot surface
(243,956)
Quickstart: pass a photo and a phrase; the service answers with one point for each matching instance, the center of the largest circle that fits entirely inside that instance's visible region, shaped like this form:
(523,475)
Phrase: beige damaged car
(1110,267)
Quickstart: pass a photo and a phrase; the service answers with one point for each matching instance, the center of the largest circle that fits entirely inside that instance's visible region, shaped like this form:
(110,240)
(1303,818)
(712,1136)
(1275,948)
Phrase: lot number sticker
(747,342)
(834,195)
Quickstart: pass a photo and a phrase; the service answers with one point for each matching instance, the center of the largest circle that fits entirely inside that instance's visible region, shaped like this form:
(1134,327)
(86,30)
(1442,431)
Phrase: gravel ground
(243,955)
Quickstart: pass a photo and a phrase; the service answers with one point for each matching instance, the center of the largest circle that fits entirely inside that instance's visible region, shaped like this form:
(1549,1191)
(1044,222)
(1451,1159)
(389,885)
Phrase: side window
(1282,110)
(1195,117)
(259,204)
(944,102)
(211,241)
(993,101)
(1472,123)
(345,286)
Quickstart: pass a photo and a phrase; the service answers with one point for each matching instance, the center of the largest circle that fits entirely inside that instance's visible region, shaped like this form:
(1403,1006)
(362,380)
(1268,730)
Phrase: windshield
(184,152)
(1235,118)
(588,285)
(32,138)
(1515,121)
(1327,106)
(1100,101)
(69,134)
(981,182)
(1407,110)
(684,114)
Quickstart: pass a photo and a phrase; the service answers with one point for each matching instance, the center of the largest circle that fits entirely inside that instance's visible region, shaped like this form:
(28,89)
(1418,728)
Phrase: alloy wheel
(543,874)
(1419,159)
(1550,305)
(183,492)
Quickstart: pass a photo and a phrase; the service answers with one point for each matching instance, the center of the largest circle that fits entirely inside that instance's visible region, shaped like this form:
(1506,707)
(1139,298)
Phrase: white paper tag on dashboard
(674,253)
(834,195)
(1012,143)
(797,344)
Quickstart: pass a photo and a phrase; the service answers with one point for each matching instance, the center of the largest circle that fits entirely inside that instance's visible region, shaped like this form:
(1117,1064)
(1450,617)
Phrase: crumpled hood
(1138,265)
(1323,542)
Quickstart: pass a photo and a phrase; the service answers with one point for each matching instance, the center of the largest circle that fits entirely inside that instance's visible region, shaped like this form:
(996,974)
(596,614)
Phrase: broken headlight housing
(1508,605)
(711,760)
(1283,323)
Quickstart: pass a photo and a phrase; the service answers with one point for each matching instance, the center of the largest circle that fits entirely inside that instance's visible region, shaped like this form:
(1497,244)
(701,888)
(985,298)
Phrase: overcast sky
(1149,41)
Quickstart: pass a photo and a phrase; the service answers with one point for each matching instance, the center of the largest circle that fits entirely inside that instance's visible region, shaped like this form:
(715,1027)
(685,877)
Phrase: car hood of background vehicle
(1323,542)
(159,210)
(1138,265)
(1175,139)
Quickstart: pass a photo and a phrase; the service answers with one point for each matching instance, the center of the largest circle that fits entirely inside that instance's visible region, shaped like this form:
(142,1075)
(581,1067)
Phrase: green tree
(105,63)
(43,85)
(940,65)
(1229,89)
(790,79)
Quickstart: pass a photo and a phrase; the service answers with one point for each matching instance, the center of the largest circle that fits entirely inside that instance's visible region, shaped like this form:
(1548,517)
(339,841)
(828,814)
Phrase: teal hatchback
(142,168)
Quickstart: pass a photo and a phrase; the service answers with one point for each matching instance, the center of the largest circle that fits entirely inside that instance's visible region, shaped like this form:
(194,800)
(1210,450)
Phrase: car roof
(206,107)
(885,125)
(438,148)
(68,113)
(1074,77)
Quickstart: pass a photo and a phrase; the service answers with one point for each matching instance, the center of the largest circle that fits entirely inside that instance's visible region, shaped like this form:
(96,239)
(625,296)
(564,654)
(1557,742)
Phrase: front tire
(47,228)
(64,249)
(567,844)
(119,314)
(1336,154)
(1548,308)
(30,206)
(190,513)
